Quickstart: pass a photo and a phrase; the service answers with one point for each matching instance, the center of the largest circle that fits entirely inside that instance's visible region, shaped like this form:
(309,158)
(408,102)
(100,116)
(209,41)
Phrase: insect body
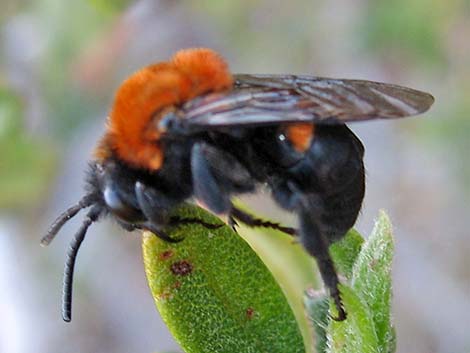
(189,128)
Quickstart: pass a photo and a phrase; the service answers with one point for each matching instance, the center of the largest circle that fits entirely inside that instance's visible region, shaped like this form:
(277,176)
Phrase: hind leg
(316,245)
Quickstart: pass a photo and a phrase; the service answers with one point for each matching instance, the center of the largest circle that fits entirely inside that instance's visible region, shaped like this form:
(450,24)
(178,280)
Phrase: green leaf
(292,268)
(317,305)
(344,254)
(345,251)
(214,292)
(372,279)
(357,333)
(367,297)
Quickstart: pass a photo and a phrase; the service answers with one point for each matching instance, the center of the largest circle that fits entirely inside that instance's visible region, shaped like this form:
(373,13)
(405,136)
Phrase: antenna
(72,252)
(71,212)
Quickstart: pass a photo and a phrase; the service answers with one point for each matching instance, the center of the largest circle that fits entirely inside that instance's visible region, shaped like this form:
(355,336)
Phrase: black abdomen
(327,184)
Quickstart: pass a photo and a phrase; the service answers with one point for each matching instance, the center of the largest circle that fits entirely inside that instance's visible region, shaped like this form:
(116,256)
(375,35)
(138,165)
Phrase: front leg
(155,208)
(216,175)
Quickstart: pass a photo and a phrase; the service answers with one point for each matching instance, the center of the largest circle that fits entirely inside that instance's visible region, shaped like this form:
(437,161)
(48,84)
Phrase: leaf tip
(383,226)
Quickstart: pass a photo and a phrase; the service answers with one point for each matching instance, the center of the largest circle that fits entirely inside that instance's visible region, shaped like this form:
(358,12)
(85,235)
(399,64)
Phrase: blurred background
(60,63)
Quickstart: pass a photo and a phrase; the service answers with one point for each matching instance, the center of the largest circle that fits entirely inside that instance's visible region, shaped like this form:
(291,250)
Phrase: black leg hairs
(254,222)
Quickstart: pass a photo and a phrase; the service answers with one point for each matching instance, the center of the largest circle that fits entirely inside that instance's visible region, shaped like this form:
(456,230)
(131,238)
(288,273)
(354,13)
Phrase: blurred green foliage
(26,163)
(451,133)
(67,36)
(10,8)
(414,28)
(114,6)
(282,31)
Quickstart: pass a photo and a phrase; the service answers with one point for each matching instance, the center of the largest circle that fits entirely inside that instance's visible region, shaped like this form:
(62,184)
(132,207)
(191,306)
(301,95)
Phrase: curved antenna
(72,211)
(72,252)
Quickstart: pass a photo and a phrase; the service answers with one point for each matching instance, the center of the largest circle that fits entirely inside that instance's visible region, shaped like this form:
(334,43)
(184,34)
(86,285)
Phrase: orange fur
(103,149)
(300,135)
(207,69)
(132,127)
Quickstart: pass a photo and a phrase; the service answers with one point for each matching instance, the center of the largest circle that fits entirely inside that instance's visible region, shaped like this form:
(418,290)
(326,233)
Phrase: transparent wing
(274,99)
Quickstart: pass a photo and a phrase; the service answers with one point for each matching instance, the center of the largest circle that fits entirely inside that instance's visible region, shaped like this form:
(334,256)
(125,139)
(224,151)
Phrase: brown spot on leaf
(181,268)
(250,312)
(164,296)
(166,255)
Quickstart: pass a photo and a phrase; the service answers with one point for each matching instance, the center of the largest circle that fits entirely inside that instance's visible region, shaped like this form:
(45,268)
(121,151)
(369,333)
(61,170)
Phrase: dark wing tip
(393,101)
(421,101)
(428,101)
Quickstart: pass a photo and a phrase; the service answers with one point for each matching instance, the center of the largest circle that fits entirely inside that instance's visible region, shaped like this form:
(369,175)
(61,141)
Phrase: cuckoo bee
(189,128)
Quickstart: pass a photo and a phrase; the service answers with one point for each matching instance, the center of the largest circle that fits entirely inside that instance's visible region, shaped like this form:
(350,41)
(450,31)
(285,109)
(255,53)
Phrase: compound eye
(119,208)
(112,199)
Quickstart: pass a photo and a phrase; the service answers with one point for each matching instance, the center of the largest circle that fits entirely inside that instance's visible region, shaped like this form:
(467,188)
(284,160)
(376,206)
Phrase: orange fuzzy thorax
(207,69)
(132,127)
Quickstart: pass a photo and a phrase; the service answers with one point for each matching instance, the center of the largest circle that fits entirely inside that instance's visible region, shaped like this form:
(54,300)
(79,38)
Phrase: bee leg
(217,174)
(285,193)
(156,215)
(160,233)
(232,223)
(317,246)
(130,227)
(176,221)
(251,221)
(207,188)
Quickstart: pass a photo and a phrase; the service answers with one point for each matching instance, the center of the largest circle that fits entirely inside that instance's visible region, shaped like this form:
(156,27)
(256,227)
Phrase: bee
(188,128)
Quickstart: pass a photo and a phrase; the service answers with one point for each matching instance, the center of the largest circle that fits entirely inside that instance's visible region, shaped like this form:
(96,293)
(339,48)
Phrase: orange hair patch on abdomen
(300,135)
